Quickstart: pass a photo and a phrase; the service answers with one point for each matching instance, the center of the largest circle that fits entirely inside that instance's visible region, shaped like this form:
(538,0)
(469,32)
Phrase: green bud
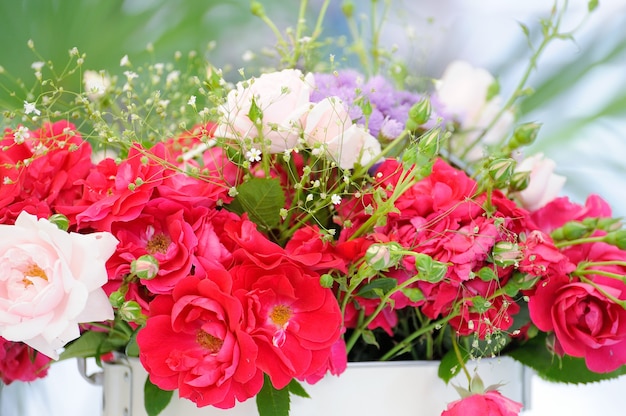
(348,9)
(420,112)
(255,114)
(428,144)
(501,170)
(572,230)
(116,299)
(60,221)
(326,281)
(383,256)
(130,311)
(257,9)
(519,181)
(145,267)
(616,238)
(525,134)
(506,253)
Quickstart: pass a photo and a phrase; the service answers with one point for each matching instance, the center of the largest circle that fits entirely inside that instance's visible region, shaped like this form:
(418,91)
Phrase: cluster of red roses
(229,305)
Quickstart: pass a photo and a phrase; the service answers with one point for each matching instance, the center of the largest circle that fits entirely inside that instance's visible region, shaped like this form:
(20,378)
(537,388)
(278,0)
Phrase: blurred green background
(580,86)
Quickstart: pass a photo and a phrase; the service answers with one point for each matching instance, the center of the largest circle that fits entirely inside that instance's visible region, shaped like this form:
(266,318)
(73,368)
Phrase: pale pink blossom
(329,131)
(281,99)
(544,184)
(50,281)
(463,92)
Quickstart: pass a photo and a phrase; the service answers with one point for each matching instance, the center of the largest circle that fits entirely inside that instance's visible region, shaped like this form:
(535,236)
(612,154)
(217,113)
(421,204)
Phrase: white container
(409,388)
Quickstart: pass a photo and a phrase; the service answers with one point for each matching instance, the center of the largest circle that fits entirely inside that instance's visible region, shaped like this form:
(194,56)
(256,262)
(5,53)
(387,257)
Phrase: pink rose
(281,98)
(585,321)
(561,210)
(50,281)
(490,403)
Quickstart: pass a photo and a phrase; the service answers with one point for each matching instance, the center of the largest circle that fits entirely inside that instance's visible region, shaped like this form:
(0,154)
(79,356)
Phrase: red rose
(308,247)
(19,362)
(193,341)
(135,181)
(585,321)
(57,160)
(292,318)
(490,403)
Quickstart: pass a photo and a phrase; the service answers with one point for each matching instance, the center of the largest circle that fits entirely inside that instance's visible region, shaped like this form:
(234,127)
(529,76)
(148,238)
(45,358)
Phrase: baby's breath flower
(253,155)
(192,101)
(37,65)
(335,199)
(30,108)
(21,134)
(125,61)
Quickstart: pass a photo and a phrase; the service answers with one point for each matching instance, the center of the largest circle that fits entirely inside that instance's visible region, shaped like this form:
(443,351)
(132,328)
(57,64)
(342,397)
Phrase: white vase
(392,388)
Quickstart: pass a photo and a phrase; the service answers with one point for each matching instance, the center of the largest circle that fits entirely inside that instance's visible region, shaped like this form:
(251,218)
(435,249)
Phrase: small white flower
(37,65)
(172,77)
(335,199)
(192,101)
(125,61)
(130,75)
(21,134)
(253,155)
(247,56)
(30,108)
(309,198)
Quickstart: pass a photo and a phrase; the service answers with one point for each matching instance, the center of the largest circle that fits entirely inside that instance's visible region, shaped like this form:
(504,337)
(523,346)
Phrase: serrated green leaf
(377,287)
(261,199)
(551,367)
(88,345)
(155,399)
(296,388)
(450,366)
(272,402)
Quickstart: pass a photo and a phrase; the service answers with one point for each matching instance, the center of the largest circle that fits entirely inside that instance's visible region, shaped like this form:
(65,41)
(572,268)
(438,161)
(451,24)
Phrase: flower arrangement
(244,238)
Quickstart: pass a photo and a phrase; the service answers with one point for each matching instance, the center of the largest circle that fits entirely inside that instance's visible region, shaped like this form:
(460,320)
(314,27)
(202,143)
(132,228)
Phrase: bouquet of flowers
(243,238)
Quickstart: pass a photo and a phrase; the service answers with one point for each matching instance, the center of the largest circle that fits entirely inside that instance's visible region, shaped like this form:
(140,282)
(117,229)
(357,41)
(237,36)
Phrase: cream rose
(282,98)
(329,130)
(463,93)
(50,281)
(544,184)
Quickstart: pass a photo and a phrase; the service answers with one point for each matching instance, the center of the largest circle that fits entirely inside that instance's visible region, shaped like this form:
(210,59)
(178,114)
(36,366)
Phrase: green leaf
(88,345)
(592,5)
(296,388)
(377,287)
(132,348)
(450,366)
(262,199)
(272,402)
(487,274)
(155,399)
(551,367)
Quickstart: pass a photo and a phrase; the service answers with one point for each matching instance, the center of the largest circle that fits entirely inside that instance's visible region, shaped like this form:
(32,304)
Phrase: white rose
(328,127)
(282,97)
(462,91)
(50,281)
(544,184)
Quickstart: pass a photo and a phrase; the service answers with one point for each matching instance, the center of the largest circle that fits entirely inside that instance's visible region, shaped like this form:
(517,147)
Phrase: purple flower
(390,107)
